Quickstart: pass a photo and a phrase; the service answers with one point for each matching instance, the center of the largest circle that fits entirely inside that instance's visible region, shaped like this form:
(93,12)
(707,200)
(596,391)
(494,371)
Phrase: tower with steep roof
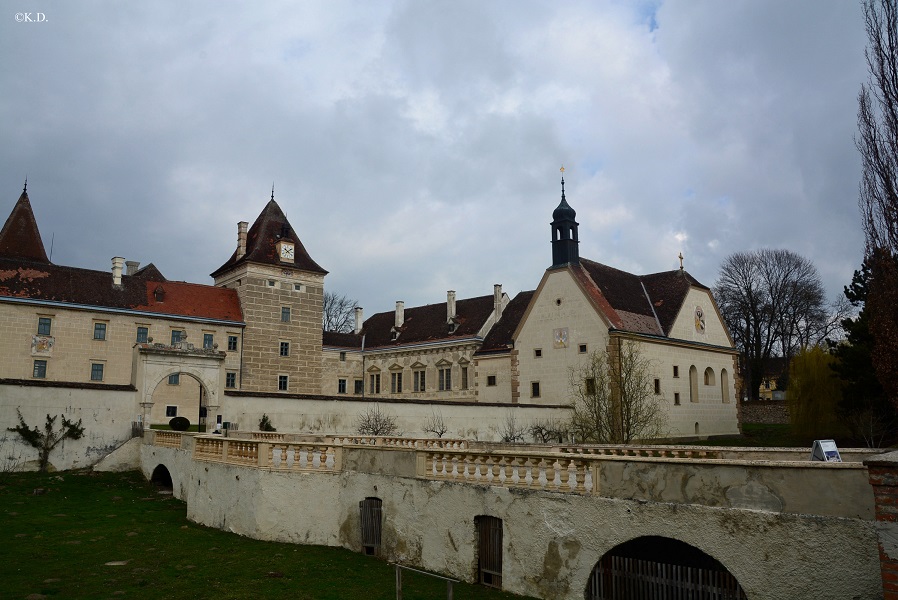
(20,237)
(281,291)
(565,242)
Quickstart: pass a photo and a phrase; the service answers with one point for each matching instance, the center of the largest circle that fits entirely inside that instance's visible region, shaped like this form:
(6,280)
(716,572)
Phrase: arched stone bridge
(546,521)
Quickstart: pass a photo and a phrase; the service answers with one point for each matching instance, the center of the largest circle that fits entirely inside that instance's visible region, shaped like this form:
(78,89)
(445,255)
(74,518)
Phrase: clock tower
(281,290)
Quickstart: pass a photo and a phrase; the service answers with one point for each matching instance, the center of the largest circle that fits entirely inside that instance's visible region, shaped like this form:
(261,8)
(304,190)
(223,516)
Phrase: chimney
(117,264)
(241,238)
(497,300)
(450,305)
(131,266)
(400,313)
(358,320)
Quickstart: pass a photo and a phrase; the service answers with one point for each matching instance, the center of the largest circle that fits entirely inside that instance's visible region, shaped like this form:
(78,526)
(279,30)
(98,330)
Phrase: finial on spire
(272,191)
(562,182)
(681,261)
(25,189)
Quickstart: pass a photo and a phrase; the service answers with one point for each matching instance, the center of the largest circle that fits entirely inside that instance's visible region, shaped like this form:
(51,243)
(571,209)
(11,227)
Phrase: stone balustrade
(701,452)
(275,456)
(167,439)
(268,435)
(400,442)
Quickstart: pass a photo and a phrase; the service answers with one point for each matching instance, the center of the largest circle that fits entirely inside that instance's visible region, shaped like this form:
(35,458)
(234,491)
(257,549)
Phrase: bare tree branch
(339,312)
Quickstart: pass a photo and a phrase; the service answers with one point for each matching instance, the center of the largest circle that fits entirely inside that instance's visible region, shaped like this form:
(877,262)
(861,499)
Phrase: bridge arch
(655,566)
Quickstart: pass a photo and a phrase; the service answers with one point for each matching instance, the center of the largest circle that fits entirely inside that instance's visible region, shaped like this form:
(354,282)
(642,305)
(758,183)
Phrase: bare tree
(773,304)
(613,397)
(435,424)
(877,141)
(339,312)
(550,430)
(45,441)
(374,421)
(510,430)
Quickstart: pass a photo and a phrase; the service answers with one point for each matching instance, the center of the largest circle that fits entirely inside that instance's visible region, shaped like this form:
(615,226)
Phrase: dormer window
(159,293)
(453,326)
(394,334)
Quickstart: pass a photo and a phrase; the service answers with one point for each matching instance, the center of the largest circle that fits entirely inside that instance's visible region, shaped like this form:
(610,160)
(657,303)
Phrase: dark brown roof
(341,340)
(47,282)
(428,323)
(271,226)
(499,338)
(643,304)
(20,237)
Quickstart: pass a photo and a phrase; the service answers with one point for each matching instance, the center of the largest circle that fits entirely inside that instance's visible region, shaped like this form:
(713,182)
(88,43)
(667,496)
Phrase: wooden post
(398,583)
(448,590)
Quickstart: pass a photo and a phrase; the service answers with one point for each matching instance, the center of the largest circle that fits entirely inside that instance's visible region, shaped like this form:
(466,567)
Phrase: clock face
(287,251)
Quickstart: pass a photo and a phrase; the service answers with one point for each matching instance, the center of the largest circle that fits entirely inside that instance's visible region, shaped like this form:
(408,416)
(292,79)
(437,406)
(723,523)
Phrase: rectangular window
(342,357)
(283,380)
(285,348)
(99,331)
(657,386)
(490,380)
(171,411)
(230,380)
(143,334)
(534,389)
(232,343)
(359,386)
(208,341)
(271,283)
(297,287)
(96,372)
(341,386)
(176,335)
(676,371)
(590,385)
(43,325)
(445,379)
(396,383)
(419,381)
(374,383)
(174,379)
(464,378)
(538,353)
(40,369)
(582,348)
(285,314)
(677,398)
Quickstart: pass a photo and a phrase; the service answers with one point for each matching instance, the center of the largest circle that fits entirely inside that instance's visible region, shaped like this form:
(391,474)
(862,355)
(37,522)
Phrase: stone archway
(156,362)
(654,566)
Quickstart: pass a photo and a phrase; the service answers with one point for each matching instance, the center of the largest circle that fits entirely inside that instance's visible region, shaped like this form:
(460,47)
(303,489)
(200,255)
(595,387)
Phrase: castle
(129,347)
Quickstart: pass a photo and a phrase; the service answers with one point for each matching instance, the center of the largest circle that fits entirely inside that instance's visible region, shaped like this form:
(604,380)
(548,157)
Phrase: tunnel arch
(662,566)
(162,477)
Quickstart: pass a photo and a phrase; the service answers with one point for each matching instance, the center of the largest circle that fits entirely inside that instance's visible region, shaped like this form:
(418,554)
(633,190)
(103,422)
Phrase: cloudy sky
(415,146)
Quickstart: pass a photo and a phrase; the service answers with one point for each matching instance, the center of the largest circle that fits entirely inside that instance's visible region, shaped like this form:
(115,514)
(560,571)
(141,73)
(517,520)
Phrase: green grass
(58,543)
(761,435)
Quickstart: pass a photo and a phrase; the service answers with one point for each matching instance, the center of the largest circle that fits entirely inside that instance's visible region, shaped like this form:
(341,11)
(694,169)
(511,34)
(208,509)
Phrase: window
(582,348)
(176,336)
(40,369)
(341,386)
(446,379)
(174,379)
(724,386)
(420,381)
(297,287)
(464,378)
(374,383)
(96,372)
(43,325)
(537,353)
(208,340)
(676,371)
(766,384)
(589,385)
(359,387)
(657,386)
(285,314)
(282,383)
(271,283)
(285,348)
(534,389)
(342,357)
(99,331)
(693,384)
(677,398)
(143,335)
(232,343)
(230,380)
(171,411)
(490,380)
(396,382)
(709,376)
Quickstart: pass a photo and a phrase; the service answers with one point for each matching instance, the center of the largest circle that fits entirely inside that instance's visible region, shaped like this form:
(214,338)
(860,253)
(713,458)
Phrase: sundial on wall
(699,320)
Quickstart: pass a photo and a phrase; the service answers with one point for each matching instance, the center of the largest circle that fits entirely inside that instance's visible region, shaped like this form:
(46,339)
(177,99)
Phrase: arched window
(693,384)
(709,376)
(724,386)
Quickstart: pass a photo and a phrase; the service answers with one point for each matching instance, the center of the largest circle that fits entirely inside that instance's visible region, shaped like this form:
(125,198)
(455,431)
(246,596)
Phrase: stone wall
(769,412)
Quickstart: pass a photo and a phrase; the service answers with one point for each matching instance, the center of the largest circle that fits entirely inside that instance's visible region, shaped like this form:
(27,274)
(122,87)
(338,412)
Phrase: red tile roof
(20,237)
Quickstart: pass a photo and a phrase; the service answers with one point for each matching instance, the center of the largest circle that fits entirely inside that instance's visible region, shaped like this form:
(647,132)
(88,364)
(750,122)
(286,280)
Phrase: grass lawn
(761,435)
(113,535)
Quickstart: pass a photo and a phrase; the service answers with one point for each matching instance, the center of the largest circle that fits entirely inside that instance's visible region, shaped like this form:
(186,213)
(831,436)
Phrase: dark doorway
(162,478)
(489,550)
(657,567)
(371,511)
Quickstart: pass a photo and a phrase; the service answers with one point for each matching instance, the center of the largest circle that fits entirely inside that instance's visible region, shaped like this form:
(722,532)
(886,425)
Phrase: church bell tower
(564,233)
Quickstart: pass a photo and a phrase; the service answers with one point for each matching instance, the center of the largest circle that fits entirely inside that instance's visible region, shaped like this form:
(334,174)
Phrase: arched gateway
(659,567)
